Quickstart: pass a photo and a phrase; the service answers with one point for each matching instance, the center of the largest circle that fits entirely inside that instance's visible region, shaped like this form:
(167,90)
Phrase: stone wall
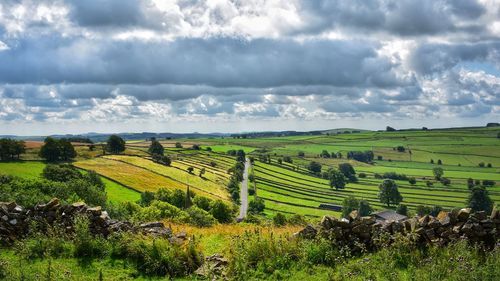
(16,222)
(440,230)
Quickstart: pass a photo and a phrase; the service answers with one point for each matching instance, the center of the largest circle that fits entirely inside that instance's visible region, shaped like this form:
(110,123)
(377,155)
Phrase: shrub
(200,217)
(159,210)
(395,176)
(213,164)
(489,165)
(402,209)
(178,145)
(202,202)
(51,242)
(88,246)
(445,181)
(362,175)
(488,183)
(297,219)
(279,219)
(256,206)
(439,162)
(378,176)
(221,211)
(146,198)
(481,164)
(348,205)
(412,181)
(422,210)
(159,257)
(251,191)
(429,184)
(3,269)
(314,167)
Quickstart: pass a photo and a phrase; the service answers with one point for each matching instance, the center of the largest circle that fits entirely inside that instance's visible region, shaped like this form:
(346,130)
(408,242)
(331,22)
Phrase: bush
(159,257)
(481,164)
(3,269)
(200,217)
(429,184)
(378,176)
(488,183)
(279,219)
(445,181)
(362,175)
(202,202)
(489,165)
(88,246)
(402,209)
(51,242)
(159,210)
(221,211)
(256,206)
(412,181)
(395,176)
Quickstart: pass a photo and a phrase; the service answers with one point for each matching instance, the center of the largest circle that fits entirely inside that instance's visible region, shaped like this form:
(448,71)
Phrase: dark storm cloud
(220,62)
(431,58)
(400,17)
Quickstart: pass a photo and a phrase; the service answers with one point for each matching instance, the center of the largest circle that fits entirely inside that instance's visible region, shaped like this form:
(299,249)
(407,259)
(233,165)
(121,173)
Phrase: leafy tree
(337,179)
(213,163)
(202,202)
(423,210)
(440,162)
(349,204)
(402,209)
(287,159)
(432,161)
(196,147)
(11,149)
(50,150)
(178,145)
(256,206)
(314,167)
(221,211)
(301,154)
(481,164)
(479,200)
(325,154)
(389,193)
(445,181)
(348,171)
(67,151)
(156,148)
(470,183)
(178,198)
(438,172)
(280,161)
(190,169)
(364,208)
(412,181)
(400,148)
(115,144)
(61,173)
(146,198)
(240,156)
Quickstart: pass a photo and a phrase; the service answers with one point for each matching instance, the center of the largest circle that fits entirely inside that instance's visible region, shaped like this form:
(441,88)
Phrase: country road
(244,192)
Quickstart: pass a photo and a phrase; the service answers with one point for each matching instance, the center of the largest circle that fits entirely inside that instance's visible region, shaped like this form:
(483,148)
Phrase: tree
(412,181)
(479,200)
(402,209)
(67,151)
(348,171)
(115,144)
(337,179)
(422,210)
(470,183)
(438,172)
(202,172)
(301,154)
(50,150)
(389,193)
(314,167)
(256,206)
(279,219)
(190,169)
(146,198)
(156,148)
(349,204)
(196,147)
(440,162)
(390,129)
(221,211)
(287,159)
(325,154)
(178,145)
(364,208)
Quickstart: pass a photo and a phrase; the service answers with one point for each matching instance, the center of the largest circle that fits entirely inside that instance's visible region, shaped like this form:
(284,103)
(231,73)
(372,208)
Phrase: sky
(72,66)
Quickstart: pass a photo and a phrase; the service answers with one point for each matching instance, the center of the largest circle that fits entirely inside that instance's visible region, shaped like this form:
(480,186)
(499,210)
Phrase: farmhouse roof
(388,215)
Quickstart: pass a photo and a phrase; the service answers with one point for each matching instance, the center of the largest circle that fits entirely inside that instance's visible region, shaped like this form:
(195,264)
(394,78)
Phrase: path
(244,192)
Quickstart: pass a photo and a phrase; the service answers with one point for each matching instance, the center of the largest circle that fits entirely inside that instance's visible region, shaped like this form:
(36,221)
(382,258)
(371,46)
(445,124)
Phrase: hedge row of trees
(11,149)
(57,150)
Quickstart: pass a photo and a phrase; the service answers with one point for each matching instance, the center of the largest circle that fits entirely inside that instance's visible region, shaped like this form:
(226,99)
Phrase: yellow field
(210,182)
(150,178)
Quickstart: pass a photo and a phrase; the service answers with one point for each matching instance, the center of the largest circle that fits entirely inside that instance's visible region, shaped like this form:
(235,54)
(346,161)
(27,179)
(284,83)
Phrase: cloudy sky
(73,66)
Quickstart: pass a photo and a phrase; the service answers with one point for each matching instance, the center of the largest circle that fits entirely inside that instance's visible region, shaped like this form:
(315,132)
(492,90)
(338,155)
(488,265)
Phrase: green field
(289,187)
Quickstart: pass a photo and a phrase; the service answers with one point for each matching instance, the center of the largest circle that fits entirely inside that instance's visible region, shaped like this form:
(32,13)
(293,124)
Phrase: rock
(152,224)
(309,232)
(445,221)
(368,220)
(423,221)
(354,215)
(13,222)
(343,222)
(495,214)
(442,215)
(479,215)
(96,211)
(463,214)
(52,204)
(327,222)
(434,223)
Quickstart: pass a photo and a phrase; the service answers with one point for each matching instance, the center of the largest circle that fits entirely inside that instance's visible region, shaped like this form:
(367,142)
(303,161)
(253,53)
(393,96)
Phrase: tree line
(11,149)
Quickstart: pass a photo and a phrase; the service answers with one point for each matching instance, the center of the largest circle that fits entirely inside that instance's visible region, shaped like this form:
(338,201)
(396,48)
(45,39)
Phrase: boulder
(327,222)
(309,232)
(463,214)
(151,224)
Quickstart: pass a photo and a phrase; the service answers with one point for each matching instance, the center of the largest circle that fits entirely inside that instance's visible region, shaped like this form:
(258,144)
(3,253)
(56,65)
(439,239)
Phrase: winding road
(244,192)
